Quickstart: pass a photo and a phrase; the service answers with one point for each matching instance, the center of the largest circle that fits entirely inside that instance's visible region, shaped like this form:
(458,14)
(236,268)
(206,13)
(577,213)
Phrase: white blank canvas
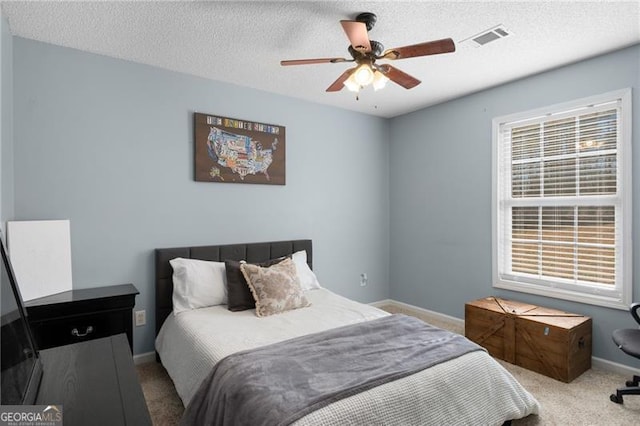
(40,253)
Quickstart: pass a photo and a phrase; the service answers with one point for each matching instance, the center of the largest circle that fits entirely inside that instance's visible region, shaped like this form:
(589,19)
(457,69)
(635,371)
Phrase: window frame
(590,295)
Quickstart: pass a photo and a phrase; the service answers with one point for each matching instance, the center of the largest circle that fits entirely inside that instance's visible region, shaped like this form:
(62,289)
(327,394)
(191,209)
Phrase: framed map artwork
(238,151)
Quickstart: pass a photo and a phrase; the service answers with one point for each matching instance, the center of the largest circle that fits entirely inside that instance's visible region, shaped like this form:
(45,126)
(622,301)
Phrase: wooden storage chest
(551,342)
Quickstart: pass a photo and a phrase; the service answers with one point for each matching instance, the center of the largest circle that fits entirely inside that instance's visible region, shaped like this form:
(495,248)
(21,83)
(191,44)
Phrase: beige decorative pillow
(275,288)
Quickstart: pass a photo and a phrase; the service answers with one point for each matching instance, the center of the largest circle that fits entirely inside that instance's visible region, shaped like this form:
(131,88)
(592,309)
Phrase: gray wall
(440,192)
(108,144)
(6,123)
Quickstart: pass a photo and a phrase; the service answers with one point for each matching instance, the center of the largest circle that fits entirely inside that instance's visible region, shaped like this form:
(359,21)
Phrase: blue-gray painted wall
(440,192)
(6,123)
(108,144)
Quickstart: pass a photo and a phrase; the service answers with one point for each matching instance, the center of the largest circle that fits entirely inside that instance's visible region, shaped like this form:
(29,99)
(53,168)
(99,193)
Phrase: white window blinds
(562,201)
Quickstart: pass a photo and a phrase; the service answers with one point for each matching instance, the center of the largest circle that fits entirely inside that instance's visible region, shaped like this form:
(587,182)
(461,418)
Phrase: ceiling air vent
(488,36)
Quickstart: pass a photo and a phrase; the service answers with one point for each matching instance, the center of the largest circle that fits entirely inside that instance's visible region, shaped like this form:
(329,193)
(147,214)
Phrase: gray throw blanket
(280,383)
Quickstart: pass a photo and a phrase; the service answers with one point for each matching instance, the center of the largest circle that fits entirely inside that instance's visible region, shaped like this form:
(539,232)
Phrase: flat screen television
(21,367)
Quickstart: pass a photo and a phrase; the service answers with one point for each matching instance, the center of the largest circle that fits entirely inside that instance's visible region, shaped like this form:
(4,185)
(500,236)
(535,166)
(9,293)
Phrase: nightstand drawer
(64,331)
(83,314)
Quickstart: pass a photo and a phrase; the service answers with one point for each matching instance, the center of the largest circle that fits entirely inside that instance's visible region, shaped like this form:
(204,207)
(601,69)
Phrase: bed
(470,388)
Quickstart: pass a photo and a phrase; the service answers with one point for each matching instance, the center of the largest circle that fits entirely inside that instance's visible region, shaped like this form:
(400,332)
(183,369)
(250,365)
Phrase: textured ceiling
(243,42)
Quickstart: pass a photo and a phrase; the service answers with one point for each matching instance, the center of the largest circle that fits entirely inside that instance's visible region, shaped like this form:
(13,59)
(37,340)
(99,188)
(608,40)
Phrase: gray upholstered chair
(628,340)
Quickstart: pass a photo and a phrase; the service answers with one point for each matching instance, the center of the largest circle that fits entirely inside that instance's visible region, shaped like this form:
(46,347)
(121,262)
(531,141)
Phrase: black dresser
(80,315)
(95,382)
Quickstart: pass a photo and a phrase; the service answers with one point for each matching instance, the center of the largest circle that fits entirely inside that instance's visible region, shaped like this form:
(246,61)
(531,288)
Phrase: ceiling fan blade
(358,36)
(435,47)
(337,85)
(399,77)
(314,61)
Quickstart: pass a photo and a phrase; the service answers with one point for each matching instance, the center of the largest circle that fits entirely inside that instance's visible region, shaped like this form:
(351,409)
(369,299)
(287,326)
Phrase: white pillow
(198,284)
(308,279)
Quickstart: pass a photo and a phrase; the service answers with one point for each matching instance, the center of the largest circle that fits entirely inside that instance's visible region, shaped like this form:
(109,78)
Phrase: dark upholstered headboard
(251,252)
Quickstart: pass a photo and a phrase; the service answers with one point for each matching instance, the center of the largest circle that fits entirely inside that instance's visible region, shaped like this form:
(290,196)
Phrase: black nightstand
(78,315)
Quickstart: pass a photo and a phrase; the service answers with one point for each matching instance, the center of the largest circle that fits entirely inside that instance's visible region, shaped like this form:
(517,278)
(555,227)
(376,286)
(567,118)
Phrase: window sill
(559,293)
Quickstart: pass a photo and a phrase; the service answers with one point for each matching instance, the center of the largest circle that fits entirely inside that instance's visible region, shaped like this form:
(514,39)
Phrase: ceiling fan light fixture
(363,75)
(351,84)
(379,80)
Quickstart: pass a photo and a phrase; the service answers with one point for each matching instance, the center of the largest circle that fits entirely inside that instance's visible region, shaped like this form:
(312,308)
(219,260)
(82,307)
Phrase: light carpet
(585,401)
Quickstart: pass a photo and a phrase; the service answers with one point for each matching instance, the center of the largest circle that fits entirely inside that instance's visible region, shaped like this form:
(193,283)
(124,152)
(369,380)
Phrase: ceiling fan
(366,52)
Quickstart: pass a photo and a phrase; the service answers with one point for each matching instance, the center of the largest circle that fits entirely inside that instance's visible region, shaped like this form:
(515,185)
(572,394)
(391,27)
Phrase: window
(561,207)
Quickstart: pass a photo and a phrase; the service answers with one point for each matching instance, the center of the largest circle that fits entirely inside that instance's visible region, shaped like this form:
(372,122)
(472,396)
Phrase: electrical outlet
(141,318)
(363,279)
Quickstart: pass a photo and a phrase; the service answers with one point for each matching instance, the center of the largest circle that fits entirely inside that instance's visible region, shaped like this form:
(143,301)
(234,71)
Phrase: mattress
(471,389)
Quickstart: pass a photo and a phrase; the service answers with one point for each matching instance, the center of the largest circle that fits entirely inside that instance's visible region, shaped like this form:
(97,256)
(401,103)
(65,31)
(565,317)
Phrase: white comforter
(472,389)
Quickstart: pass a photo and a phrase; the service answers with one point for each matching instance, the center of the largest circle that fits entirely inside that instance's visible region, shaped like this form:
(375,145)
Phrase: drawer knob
(87,331)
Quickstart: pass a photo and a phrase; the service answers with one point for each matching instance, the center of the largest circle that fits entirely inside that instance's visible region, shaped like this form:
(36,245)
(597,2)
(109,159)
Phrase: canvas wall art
(230,150)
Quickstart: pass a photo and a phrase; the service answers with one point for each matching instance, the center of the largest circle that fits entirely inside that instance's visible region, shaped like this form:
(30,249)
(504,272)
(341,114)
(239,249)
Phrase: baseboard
(381,303)
(144,358)
(408,307)
(613,367)
(599,363)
